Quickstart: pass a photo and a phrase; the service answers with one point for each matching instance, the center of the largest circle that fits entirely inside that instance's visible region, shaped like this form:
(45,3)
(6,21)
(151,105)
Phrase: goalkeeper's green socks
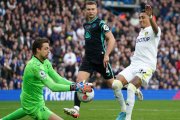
(19,113)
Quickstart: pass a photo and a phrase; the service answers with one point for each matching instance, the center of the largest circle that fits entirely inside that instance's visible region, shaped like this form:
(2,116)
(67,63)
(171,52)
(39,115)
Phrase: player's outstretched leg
(117,86)
(19,113)
(130,100)
(74,112)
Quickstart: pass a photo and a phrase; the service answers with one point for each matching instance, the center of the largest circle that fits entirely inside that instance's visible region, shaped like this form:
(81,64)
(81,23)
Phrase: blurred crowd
(21,21)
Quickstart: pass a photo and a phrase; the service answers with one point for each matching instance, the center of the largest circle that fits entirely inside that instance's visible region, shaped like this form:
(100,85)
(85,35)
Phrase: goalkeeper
(37,74)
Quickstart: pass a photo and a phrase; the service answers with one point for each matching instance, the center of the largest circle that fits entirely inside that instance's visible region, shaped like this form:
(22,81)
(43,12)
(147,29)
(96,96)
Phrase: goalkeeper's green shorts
(42,113)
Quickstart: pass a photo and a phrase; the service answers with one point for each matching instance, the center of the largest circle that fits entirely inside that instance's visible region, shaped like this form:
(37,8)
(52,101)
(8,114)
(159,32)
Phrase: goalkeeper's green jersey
(36,76)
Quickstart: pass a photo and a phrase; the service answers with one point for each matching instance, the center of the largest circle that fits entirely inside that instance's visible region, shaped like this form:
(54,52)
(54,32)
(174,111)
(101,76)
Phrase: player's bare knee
(117,84)
(137,81)
(79,80)
(118,76)
(122,79)
(82,75)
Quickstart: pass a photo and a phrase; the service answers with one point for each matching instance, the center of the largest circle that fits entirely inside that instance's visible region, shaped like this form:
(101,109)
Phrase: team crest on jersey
(105,27)
(87,35)
(145,33)
(42,74)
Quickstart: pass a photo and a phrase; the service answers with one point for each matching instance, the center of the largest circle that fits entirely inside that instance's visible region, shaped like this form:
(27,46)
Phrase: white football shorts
(144,72)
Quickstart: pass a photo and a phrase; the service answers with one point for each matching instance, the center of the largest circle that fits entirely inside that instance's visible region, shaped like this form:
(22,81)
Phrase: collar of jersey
(145,28)
(93,20)
(37,59)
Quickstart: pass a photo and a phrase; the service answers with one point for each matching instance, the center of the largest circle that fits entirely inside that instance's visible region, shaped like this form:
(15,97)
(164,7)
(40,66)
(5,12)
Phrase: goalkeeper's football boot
(72,112)
(139,94)
(121,116)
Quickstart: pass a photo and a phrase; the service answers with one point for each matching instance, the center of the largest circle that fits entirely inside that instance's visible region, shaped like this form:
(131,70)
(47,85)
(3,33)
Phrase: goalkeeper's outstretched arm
(57,78)
(57,87)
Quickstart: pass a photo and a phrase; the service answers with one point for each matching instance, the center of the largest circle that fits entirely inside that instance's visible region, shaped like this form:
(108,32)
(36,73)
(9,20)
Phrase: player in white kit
(143,63)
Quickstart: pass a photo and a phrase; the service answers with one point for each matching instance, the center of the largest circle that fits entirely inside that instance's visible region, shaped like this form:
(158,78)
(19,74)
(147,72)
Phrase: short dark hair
(38,44)
(90,2)
(142,7)
(142,10)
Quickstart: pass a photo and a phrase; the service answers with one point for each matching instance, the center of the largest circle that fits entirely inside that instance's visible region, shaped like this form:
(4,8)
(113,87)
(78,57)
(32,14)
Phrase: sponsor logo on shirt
(143,39)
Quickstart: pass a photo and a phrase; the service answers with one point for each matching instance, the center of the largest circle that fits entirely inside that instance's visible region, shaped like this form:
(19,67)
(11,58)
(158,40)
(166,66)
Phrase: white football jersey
(146,47)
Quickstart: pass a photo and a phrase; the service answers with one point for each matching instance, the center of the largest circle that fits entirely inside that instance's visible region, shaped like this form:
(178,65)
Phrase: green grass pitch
(108,110)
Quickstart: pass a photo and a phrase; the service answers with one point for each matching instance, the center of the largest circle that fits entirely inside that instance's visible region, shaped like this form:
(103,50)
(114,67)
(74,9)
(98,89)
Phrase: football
(86,97)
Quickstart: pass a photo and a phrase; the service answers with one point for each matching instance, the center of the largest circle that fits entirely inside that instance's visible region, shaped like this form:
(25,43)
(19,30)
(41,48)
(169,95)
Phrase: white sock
(77,108)
(119,96)
(117,86)
(130,100)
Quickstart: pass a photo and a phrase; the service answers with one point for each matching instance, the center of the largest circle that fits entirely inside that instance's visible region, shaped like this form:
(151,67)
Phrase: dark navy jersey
(95,31)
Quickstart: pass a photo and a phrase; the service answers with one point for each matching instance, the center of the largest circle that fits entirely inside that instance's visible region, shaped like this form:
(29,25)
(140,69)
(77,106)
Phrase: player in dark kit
(97,34)
(95,50)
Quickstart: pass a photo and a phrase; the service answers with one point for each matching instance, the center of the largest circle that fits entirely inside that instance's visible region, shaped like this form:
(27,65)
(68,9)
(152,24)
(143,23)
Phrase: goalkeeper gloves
(81,87)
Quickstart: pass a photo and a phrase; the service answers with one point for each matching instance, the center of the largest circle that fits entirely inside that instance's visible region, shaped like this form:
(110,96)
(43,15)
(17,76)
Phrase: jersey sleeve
(56,77)
(159,32)
(104,26)
(41,74)
(55,87)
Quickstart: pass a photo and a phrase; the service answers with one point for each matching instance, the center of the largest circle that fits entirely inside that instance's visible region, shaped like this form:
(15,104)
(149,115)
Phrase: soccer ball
(86,97)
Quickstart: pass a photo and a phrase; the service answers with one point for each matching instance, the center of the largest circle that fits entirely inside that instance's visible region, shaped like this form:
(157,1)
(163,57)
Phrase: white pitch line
(149,110)
(155,110)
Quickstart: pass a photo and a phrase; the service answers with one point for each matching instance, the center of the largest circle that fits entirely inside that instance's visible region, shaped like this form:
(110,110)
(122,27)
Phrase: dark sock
(77,102)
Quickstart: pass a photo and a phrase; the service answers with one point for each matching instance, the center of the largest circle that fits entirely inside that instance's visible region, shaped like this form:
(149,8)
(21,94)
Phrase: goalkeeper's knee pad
(117,84)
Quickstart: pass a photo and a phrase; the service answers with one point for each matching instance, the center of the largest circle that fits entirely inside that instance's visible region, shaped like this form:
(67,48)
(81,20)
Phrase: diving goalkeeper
(37,74)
